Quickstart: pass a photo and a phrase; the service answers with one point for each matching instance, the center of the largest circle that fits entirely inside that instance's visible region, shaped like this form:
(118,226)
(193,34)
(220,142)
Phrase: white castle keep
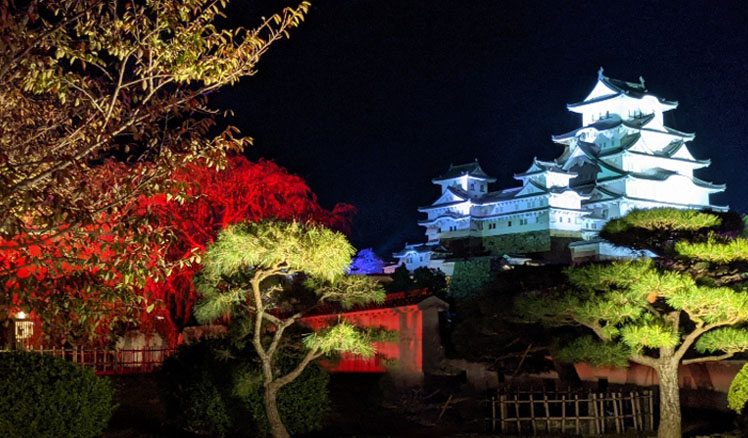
(623,157)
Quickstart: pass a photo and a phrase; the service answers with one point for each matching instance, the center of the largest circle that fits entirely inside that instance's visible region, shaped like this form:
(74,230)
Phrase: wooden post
(634,411)
(576,413)
(502,411)
(603,419)
(563,413)
(532,414)
(596,416)
(616,412)
(547,414)
(651,410)
(493,414)
(516,410)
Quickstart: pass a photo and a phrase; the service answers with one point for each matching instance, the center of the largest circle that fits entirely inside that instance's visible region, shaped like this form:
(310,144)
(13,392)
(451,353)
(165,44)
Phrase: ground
(364,406)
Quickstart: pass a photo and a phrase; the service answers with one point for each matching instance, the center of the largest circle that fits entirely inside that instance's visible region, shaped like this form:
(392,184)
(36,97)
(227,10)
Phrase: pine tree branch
(313,354)
(694,335)
(643,360)
(708,359)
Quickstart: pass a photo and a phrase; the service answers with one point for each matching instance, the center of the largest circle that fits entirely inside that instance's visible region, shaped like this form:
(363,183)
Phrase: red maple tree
(133,268)
(244,191)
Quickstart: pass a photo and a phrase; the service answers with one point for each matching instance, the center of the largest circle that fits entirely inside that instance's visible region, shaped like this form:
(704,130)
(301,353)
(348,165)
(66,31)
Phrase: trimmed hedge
(42,396)
(215,388)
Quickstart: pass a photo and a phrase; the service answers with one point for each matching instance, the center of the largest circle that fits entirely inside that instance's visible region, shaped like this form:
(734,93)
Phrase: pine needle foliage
(687,305)
(663,219)
(243,272)
(737,395)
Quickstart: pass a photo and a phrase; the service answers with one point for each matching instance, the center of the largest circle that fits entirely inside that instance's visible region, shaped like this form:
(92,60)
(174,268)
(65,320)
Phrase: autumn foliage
(245,191)
(84,287)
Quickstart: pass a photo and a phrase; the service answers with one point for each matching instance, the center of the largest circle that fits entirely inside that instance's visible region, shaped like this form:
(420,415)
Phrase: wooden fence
(111,361)
(574,413)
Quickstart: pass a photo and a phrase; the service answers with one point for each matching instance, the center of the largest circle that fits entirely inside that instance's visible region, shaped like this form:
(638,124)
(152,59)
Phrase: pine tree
(686,305)
(240,273)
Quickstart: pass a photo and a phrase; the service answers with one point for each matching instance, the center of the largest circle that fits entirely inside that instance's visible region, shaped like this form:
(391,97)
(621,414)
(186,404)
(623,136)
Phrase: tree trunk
(277,429)
(670,418)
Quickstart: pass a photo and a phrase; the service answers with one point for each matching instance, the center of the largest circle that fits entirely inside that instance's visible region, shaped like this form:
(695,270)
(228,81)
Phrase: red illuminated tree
(83,287)
(244,192)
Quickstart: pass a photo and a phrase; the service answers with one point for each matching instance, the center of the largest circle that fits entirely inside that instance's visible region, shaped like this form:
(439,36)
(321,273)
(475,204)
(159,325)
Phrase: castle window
(472,186)
(509,224)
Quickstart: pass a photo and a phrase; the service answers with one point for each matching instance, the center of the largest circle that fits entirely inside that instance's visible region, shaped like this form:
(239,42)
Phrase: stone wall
(520,243)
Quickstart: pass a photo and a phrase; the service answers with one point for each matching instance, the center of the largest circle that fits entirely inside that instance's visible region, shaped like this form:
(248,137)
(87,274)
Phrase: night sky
(369,100)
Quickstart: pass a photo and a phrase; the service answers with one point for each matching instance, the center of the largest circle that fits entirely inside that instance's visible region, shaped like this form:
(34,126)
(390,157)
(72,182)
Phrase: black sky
(369,99)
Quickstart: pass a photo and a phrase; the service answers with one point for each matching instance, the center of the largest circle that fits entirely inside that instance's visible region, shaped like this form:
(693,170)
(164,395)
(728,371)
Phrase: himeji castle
(623,157)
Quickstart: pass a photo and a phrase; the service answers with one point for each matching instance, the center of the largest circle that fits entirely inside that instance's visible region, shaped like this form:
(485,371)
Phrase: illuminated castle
(623,157)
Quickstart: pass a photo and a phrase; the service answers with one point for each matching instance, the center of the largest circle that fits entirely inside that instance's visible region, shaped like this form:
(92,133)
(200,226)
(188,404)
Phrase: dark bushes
(215,388)
(46,397)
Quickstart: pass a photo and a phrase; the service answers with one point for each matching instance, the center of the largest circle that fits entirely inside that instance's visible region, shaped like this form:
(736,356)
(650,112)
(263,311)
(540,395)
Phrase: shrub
(46,397)
(216,388)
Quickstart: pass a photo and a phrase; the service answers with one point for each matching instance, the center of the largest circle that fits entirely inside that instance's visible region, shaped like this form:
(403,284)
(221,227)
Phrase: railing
(112,361)
(572,413)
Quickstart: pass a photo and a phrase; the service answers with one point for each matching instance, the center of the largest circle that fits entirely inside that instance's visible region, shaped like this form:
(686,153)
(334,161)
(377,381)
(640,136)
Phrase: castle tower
(626,158)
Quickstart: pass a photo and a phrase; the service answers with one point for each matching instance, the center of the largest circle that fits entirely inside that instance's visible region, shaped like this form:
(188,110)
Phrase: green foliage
(341,337)
(715,250)
(711,304)
(315,250)
(432,280)
(196,389)
(727,339)
(46,397)
(649,332)
(737,395)
(469,277)
(348,290)
(595,352)
(267,250)
(663,219)
(215,387)
(243,274)
(97,78)
(401,280)
(654,309)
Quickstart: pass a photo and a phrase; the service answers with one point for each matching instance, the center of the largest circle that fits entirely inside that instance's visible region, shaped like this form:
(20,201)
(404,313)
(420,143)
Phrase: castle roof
(619,88)
(615,195)
(614,121)
(472,170)
(419,249)
(538,166)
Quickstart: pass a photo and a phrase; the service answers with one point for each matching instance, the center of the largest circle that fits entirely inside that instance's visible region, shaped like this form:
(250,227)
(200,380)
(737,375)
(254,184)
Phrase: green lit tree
(243,272)
(687,305)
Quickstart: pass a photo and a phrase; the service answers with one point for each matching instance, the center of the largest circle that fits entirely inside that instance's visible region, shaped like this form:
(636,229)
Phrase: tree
(365,262)
(79,287)
(84,82)
(401,280)
(432,280)
(485,329)
(470,277)
(655,312)
(240,274)
(89,299)
(243,191)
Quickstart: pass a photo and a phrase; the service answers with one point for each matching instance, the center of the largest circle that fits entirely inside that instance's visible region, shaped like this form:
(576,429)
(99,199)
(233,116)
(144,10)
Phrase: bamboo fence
(540,413)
